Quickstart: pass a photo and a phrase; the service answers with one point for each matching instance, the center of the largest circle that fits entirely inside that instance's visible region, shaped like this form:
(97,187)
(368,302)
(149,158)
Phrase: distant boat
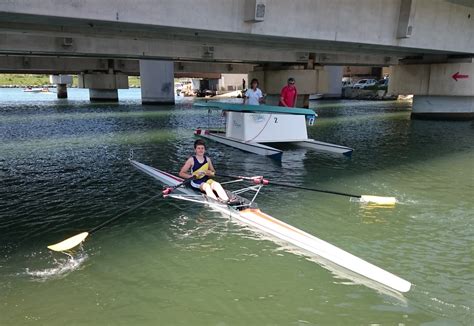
(314,97)
(36,90)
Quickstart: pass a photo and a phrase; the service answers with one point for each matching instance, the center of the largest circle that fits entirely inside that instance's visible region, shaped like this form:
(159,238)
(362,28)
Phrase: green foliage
(24,80)
(133,81)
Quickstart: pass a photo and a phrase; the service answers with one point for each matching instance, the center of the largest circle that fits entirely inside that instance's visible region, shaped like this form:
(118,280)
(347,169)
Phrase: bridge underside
(226,31)
(131,67)
(102,38)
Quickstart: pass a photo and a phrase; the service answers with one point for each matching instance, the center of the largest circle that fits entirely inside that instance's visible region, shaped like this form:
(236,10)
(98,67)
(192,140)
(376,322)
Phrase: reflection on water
(63,167)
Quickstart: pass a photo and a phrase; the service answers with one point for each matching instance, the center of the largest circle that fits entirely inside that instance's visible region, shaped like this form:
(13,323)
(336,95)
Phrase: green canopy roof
(255,108)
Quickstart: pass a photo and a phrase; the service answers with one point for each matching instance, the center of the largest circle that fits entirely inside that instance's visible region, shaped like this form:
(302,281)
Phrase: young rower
(202,169)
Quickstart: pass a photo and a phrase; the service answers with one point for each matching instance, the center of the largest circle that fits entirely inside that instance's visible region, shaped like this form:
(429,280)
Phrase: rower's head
(291,82)
(199,147)
(254,83)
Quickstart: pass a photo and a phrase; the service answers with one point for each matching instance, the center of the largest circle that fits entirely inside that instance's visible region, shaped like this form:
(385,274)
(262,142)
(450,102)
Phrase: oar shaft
(292,186)
(100,226)
(313,189)
(74,241)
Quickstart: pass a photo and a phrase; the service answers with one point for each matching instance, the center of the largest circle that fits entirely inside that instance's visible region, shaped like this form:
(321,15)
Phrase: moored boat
(257,128)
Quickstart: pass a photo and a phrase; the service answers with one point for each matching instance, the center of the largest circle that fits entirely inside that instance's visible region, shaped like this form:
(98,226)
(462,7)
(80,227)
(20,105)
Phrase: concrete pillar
(61,82)
(157,82)
(334,79)
(443,107)
(440,91)
(62,90)
(103,86)
(103,95)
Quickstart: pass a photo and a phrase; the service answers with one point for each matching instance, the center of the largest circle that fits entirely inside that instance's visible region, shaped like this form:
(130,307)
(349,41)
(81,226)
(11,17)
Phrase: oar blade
(69,243)
(389,201)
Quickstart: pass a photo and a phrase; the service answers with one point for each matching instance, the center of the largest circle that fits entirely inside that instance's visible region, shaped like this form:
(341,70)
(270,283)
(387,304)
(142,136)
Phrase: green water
(64,169)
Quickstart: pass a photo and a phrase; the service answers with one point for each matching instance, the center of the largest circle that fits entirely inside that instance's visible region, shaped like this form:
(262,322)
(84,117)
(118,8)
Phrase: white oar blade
(378,200)
(69,243)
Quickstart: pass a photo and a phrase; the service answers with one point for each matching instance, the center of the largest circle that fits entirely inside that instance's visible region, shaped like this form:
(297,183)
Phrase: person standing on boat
(288,94)
(253,96)
(202,170)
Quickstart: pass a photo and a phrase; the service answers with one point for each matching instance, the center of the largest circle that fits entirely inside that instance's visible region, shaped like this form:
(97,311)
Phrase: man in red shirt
(288,94)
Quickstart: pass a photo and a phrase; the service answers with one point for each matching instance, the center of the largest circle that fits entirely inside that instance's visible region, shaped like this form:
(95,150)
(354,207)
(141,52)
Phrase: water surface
(64,169)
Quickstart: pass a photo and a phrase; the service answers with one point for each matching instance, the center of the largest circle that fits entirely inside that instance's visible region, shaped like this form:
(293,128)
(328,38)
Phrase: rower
(202,170)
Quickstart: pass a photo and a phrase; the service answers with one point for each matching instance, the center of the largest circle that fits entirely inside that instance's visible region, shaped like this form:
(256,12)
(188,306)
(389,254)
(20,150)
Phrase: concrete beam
(345,59)
(184,67)
(16,44)
(205,75)
(234,54)
(439,25)
(103,81)
(55,65)
(406,18)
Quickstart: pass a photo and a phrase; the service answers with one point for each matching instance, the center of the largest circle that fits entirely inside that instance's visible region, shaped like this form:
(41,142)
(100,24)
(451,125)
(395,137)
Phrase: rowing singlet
(196,168)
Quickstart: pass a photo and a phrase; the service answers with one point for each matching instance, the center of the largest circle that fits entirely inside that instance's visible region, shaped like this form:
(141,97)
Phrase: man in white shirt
(253,95)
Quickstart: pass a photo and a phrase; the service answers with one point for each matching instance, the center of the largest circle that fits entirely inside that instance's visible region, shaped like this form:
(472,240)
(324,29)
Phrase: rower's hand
(209,173)
(200,174)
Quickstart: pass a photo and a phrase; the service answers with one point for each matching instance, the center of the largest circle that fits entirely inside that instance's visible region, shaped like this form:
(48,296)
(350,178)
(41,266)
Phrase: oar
(363,198)
(73,241)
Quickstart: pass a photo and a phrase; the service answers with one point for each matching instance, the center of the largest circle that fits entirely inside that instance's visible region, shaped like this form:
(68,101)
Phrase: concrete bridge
(427,42)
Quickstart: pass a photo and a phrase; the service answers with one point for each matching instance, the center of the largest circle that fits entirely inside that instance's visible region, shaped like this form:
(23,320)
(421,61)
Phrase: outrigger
(253,128)
(247,212)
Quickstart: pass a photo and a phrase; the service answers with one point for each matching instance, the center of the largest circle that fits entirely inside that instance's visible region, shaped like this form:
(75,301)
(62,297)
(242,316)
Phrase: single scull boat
(248,213)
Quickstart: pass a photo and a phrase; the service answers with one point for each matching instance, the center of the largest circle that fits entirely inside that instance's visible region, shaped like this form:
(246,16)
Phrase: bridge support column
(103,95)
(308,81)
(61,82)
(157,82)
(62,90)
(103,86)
(334,80)
(441,91)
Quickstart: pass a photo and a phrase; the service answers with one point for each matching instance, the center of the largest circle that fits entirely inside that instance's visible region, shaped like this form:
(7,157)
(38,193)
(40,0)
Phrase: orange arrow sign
(457,76)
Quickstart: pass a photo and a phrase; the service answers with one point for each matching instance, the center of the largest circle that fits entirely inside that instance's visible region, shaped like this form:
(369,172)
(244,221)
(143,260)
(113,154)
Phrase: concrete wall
(433,79)
(230,82)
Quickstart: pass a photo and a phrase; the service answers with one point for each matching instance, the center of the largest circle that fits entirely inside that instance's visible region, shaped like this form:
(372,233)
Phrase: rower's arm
(282,98)
(183,173)
(211,167)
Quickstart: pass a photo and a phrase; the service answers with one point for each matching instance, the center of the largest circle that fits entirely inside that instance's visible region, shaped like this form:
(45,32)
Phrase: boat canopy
(256,108)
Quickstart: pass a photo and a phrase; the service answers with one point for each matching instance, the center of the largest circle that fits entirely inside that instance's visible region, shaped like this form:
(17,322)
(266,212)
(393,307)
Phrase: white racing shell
(269,225)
